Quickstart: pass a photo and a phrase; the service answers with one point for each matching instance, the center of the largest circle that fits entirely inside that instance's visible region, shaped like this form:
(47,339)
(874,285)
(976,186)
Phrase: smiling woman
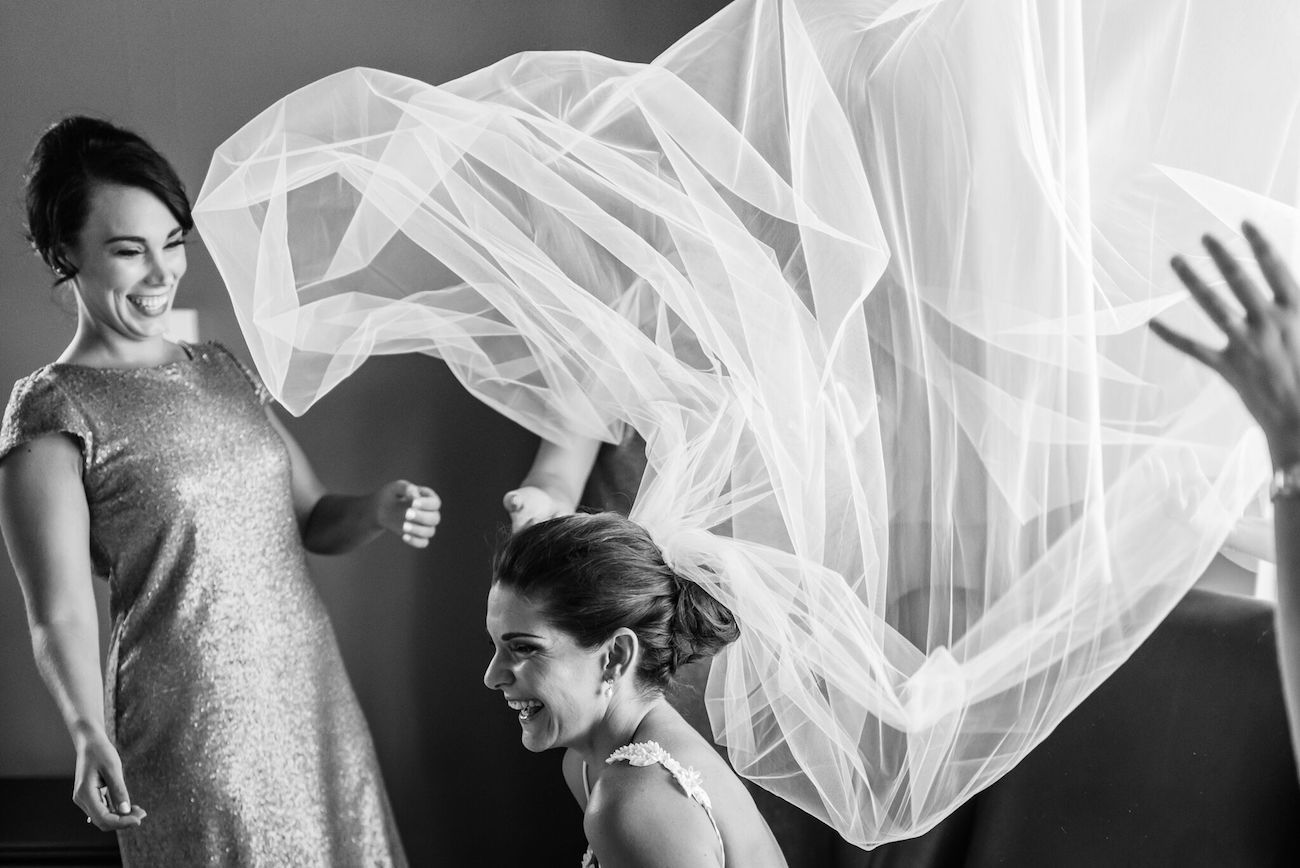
(108,214)
(126,282)
(589,626)
(224,706)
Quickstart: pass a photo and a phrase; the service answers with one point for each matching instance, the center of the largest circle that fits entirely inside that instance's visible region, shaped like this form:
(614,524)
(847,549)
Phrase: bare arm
(1261,361)
(46,525)
(554,483)
(1253,537)
(334,523)
(645,821)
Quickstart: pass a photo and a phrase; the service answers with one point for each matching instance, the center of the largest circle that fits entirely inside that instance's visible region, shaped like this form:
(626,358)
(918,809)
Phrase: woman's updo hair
(69,160)
(591,574)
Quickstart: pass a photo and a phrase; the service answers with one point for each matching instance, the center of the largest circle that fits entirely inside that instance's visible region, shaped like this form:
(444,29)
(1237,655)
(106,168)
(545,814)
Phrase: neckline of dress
(186,347)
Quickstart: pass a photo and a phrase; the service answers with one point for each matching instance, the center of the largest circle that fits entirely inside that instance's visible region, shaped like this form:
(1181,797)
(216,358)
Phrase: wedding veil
(872,280)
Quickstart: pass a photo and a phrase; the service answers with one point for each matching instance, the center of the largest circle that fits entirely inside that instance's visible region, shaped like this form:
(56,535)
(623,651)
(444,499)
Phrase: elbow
(55,621)
(57,631)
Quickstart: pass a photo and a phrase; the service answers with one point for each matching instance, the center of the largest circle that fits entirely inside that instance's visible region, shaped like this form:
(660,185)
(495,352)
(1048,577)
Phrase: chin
(538,745)
(540,742)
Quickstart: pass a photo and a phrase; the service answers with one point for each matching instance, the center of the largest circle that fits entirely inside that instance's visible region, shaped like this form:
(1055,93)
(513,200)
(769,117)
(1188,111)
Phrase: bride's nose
(496,676)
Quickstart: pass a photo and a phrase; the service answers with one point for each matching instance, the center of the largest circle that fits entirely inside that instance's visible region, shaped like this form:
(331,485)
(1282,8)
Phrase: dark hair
(592,574)
(69,159)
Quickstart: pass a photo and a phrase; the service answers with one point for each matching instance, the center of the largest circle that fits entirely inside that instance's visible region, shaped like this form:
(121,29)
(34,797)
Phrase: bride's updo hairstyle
(69,159)
(591,574)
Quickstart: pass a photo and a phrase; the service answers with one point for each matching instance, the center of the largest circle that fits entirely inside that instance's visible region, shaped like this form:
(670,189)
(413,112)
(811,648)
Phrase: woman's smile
(549,681)
(151,305)
(528,709)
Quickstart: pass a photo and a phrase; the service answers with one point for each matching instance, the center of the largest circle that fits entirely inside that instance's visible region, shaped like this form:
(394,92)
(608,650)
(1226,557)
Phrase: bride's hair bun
(701,626)
(592,574)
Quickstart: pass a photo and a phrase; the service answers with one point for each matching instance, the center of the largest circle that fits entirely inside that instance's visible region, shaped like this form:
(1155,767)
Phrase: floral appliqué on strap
(648,753)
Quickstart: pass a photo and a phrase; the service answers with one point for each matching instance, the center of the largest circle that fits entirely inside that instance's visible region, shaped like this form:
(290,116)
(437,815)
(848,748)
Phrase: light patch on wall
(183,325)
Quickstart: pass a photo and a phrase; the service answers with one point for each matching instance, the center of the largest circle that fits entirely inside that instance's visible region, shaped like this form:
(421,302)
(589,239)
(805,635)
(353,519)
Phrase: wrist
(85,730)
(561,495)
(1284,446)
(374,510)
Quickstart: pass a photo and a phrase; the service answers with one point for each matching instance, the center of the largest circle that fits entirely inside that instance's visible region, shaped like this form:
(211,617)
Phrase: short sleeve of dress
(259,388)
(40,406)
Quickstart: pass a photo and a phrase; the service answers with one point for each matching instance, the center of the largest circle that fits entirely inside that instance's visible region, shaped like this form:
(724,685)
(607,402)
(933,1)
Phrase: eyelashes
(129,252)
(515,650)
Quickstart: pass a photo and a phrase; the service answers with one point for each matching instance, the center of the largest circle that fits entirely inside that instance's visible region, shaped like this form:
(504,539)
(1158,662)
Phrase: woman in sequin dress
(224,708)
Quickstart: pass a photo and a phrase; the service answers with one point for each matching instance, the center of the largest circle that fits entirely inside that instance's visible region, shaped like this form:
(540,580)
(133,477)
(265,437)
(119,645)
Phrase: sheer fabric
(871,278)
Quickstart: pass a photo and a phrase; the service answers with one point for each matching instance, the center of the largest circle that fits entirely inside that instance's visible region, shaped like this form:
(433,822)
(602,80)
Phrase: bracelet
(1286,482)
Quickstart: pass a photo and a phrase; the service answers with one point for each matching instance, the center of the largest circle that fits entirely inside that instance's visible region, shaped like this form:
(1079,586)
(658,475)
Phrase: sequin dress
(225,692)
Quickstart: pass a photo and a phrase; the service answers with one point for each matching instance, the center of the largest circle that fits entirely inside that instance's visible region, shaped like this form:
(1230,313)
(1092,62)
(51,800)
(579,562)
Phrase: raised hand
(1261,359)
(410,511)
(100,790)
(529,504)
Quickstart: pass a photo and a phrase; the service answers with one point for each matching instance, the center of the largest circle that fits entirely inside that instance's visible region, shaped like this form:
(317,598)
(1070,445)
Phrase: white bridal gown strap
(648,753)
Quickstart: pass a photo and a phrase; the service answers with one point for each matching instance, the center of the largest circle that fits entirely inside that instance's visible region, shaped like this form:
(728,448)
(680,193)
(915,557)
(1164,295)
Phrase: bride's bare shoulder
(639,815)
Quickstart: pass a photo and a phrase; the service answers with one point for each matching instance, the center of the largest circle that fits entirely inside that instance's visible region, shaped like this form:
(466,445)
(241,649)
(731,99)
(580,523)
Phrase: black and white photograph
(627,434)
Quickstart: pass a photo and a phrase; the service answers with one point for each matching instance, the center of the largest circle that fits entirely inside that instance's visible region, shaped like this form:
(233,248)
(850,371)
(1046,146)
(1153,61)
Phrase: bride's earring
(608,685)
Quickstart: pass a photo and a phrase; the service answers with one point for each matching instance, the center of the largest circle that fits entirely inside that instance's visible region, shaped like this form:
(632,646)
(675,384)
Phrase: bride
(590,626)
(871,279)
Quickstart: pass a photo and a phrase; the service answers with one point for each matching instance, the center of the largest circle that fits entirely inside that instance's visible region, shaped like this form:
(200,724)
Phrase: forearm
(1287,539)
(562,471)
(67,656)
(1253,537)
(341,522)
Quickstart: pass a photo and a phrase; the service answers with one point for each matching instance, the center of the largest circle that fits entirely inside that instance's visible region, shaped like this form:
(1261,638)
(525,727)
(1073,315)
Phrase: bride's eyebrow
(507,637)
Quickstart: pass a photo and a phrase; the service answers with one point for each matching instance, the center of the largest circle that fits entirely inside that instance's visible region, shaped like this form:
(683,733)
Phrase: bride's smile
(545,676)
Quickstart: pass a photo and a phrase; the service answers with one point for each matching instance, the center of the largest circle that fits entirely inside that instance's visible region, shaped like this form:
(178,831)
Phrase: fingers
(529,515)
(419,526)
(118,798)
(104,807)
(1203,354)
(521,519)
(1275,272)
(420,522)
(526,506)
(1207,298)
(1238,281)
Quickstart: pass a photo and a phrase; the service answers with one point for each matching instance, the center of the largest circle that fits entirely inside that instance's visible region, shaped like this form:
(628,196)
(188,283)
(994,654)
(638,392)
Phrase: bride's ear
(622,651)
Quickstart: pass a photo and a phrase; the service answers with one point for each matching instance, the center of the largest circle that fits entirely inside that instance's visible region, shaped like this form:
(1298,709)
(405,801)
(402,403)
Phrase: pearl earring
(609,686)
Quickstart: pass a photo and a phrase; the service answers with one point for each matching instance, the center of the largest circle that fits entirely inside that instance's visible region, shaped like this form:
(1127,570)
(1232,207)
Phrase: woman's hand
(554,483)
(1262,357)
(530,504)
(100,789)
(408,510)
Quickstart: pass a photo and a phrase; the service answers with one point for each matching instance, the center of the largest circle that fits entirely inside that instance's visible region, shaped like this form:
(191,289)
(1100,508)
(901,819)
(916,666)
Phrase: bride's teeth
(526,707)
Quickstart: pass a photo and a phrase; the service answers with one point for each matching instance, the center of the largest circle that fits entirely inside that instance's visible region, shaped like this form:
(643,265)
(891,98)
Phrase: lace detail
(648,753)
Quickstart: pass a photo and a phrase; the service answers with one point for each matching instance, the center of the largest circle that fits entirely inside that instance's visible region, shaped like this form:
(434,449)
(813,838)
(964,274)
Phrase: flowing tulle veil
(871,279)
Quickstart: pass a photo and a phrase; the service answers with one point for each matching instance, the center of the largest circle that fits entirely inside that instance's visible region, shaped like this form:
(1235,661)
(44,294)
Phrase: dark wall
(186,74)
